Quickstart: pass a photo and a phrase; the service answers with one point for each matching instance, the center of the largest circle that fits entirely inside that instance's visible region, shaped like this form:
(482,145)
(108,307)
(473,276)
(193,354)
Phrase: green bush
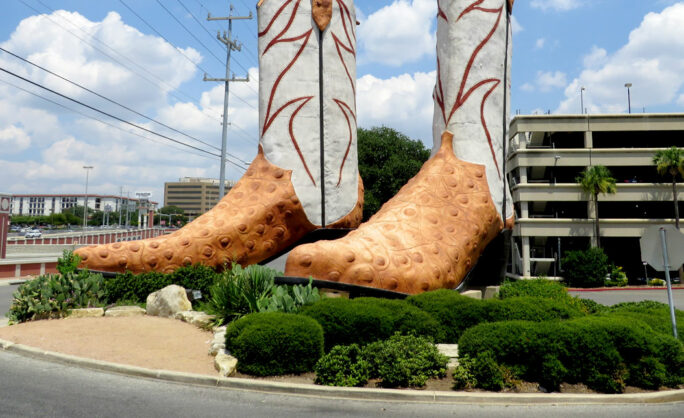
(656,282)
(68,263)
(364,320)
(344,365)
(290,299)
(655,314)
(487,373)
(586,268)
(275,343)
(603,352)
(463,374)
(136,287)
(405,361)
(542,288)
(457,313)
(617,278)
(52,296)
(240,291)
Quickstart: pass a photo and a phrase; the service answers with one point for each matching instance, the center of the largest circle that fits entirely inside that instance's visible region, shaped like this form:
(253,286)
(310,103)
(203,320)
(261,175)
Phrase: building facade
(554,215)
(195,195)
(52,204)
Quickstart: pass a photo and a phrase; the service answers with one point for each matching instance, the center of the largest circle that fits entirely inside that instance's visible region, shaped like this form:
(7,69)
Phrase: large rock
(86,313)
(225,364)
(119,311)
(475,294)
(198,319)
(168,301)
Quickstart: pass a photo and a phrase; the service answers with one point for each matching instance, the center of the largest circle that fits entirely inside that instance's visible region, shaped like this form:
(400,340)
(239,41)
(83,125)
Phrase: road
(611,297)
(6,298)
(40,389)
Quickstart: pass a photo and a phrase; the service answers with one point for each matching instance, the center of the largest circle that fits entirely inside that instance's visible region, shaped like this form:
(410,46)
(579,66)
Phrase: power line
(163,37)
(170,87)
(97,119)
(103,112)
(188,31)
(201,24)
(108,99)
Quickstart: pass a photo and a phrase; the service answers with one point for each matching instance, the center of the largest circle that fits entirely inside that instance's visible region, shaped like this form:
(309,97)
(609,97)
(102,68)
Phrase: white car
(33,234)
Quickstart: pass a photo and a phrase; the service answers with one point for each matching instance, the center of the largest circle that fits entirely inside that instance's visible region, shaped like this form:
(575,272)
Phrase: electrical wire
(103,112)
(170,87)
(108,99)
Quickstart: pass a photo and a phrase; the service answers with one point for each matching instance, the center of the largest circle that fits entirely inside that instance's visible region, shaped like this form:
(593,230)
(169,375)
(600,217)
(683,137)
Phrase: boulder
(225,364)
(198,319)
(86,313)
(119,311)
(218,344)
(475,294)
(168,301)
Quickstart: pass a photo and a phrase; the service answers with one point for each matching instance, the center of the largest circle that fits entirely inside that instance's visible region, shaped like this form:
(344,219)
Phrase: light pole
(85,205)
(582,100)
(629,98)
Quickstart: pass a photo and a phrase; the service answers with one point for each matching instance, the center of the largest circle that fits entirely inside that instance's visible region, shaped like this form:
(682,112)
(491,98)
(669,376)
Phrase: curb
(611,289)
(408,395)
(10,282)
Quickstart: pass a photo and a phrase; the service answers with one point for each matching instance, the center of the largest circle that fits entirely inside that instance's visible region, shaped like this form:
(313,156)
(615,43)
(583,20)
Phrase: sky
(151,56)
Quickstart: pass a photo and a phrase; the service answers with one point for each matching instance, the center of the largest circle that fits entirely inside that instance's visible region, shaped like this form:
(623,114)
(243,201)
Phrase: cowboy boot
(433,231)
(305,174)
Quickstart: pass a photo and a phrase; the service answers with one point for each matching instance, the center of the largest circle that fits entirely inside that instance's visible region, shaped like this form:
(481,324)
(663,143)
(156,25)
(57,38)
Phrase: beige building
(195,195)
(554,215)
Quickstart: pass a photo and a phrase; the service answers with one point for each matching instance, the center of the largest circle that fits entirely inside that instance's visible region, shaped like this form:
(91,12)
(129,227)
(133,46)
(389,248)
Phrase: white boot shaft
(472,92)
(307,106)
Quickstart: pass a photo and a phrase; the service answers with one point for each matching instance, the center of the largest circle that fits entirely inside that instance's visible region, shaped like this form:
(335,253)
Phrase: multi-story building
(195,195)
(554,215)
(49,204)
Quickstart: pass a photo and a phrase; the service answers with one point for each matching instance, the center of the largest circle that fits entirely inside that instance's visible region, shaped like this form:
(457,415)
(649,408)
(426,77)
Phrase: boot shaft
(307,106)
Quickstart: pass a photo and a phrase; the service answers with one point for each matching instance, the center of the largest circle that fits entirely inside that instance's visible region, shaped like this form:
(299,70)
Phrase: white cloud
(547,81)
(400,33)
(61,142)
(516,27)
(680,100)
(595,58)
(403,102)
(556,5)
(14,139)
(527,87)
(652,60)
(539,44)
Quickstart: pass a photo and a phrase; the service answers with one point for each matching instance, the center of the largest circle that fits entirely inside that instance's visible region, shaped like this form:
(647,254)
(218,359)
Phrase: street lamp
(85,205)
(629,98)
(582,99)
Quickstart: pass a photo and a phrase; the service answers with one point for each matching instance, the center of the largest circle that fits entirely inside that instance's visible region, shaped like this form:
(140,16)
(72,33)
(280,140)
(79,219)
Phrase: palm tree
(671,161)
(594,180)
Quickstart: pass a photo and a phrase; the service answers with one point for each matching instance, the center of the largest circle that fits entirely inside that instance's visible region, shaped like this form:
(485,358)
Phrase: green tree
(387,160)
(594,180)
(671,161)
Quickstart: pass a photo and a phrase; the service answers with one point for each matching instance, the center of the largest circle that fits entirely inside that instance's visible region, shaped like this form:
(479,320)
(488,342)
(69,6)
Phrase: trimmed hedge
(457,313)
(655,314)
(542,288)
(364,320)
(136,287)
(603,352)
(275,343)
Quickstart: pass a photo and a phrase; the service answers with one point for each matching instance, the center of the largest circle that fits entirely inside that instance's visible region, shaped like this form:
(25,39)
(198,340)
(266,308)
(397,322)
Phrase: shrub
(656,282)
(655,314)
(344,365)
(463,374)
(239,291)
(275,343)
(586,268)
(542,288)
(68,263)
(487,373)
(457,313)
(405,361)
(604,353)
(52,296)
(290,299)
(365,320)
(197,277)
(617,278)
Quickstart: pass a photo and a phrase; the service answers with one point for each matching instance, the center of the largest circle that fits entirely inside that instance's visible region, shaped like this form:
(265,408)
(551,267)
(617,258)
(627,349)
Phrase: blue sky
(558,47)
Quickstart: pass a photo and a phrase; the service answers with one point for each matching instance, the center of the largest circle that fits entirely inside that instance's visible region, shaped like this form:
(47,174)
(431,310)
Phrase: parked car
(33,234)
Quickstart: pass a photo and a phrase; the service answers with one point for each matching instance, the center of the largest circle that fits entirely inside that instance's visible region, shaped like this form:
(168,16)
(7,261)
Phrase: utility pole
(231,45)
(120,208)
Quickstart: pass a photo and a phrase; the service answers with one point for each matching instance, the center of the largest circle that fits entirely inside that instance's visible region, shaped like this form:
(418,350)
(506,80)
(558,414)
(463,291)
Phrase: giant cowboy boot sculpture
(305,174)
(432,232)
